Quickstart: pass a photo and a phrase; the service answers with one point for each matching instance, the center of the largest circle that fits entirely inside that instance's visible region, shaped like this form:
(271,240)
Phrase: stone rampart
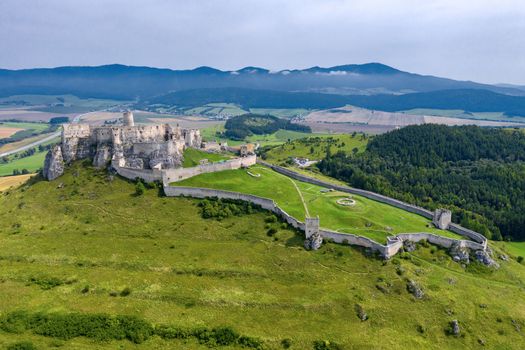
(387,251)
(475,236)
(179,174)
(148,175)
(367,194)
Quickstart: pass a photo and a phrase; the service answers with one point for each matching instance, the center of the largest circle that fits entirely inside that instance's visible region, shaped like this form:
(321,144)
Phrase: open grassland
(213,109)
(192,157)
(28,115)
(315,147)
(31,163)
(459,113)
(277,138)
(281,112)
(13,181)
(62,104)
(76,247)
(366,218)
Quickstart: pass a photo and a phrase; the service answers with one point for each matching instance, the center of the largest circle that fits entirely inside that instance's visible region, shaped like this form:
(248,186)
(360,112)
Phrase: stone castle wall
(367,194)
(475,236)
(179,174)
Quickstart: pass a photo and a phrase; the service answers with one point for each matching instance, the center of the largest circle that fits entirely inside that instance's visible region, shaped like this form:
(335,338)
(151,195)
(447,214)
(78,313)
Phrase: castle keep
(136,147)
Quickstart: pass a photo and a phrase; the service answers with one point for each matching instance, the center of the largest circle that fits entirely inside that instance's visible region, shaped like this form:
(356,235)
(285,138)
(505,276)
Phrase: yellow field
(10,181)
(7,131)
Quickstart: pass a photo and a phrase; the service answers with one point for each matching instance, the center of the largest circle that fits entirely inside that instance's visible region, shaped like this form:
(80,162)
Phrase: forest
(478,173)
(238,128)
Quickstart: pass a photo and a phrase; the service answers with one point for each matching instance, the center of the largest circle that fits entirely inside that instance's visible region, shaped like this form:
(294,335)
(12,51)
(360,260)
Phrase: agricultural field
(350,118)
(459,113)
(13,181)
(315,147)
(93,246)
(366,218)
(281,112)
(214,109)
(31,163)
(62,104)
(192,157)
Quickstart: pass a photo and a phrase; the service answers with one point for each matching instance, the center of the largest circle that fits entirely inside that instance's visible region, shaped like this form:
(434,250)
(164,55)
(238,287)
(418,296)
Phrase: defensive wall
(388,250)
(179,174)
(394,243)
(477,237)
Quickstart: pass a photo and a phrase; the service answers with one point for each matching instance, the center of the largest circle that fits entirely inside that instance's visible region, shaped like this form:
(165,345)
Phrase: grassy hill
(367,217)
(315,147)
(86,244)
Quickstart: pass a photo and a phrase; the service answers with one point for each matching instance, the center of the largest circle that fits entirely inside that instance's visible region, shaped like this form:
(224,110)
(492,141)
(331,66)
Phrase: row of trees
(478,173)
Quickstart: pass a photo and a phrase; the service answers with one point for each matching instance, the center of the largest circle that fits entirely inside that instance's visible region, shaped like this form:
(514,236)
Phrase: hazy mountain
(129,82)
(471,100)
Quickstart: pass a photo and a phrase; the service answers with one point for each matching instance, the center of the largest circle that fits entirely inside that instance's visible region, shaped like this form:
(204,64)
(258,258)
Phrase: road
(76,119)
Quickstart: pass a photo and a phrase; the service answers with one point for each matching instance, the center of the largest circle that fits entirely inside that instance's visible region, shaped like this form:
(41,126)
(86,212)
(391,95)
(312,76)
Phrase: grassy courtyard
(192,157)
(366,218)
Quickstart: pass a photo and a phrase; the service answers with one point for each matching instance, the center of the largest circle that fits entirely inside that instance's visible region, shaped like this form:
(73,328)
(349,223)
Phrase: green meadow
(366,218)
(315,146)
(87,244)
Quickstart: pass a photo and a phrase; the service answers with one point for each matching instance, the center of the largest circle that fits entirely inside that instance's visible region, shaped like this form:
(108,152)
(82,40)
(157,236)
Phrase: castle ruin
(130,146)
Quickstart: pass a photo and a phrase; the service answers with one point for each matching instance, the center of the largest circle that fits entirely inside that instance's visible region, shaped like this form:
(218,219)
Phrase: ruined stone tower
(127,119)
(313,239)
(442,218)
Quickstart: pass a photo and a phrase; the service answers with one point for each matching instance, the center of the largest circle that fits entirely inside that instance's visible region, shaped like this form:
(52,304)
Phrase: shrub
(125,292)
(326,345)
(271,232)
(286,343)
(23,345)
(139,188)
(520,259)
(85,289)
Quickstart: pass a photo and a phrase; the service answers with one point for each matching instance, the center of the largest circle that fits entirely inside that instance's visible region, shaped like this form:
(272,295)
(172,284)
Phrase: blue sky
(480,40)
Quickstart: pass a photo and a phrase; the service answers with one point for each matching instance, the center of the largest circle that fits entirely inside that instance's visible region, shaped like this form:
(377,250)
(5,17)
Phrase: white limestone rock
(54,163)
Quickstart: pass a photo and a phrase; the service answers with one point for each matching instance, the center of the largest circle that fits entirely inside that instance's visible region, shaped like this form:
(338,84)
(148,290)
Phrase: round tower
(127,119)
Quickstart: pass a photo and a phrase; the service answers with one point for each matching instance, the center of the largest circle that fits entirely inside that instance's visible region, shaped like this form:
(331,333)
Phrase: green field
(71,248)
(315,147)
(59,103)
(277,138)
(213,109)
(366,218)
(281,112)
(192,157)
(459,113)
(32,163)
(26,126)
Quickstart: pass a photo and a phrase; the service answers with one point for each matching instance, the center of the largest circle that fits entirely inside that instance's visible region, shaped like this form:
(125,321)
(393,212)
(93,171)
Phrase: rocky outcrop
(102,157)
(454,328)
(414,289)
(313,242)
(459,253)
(54,163)
(485,258)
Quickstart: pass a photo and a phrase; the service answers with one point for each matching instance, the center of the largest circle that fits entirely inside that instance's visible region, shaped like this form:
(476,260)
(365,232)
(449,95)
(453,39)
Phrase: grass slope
(192,272)
(367,218)
(13,181)
(315,147)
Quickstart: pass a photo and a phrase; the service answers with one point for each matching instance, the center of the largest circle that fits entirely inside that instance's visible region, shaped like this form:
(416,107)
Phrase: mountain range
(371,85)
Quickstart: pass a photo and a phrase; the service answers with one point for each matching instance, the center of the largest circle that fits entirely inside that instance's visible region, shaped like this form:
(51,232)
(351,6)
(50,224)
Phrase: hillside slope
(86,243)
